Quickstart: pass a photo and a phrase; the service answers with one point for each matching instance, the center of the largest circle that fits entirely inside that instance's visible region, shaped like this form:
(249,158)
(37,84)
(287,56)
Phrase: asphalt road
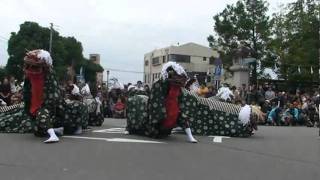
(272,153)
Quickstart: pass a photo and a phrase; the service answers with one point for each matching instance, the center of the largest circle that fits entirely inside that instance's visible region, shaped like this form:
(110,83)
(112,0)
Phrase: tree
(66,51)
(295,42)
(244,22)
(3,73)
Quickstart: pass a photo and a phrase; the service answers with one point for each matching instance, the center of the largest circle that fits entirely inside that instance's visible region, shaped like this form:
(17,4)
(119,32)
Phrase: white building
(95,58)
(195,58)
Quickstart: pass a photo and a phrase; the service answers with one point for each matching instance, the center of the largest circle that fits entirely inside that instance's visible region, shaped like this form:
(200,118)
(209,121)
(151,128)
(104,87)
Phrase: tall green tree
(244,22)
(90,69)
(295,42)
(66,51)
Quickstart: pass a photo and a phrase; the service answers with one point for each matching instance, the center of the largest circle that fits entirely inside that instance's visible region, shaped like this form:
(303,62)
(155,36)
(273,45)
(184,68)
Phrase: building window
(156,61)
(211,60)
(164,59)
(204,59)
(179,58)
(93,58)
(145,78)
(146,63)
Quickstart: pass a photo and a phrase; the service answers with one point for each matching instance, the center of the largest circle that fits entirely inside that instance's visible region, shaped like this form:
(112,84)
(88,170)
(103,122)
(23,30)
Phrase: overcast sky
(122,31)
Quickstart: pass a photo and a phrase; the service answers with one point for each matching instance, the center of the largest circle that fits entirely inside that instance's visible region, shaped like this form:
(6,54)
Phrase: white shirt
(85,90)
(225,93)
(75,90)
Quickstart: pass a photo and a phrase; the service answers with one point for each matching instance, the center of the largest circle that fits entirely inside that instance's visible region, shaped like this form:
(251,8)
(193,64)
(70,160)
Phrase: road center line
(218,139)
(122,140)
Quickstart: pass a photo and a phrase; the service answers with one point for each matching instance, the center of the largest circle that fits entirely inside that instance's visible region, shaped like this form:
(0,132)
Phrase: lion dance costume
(170,105)
(44,111)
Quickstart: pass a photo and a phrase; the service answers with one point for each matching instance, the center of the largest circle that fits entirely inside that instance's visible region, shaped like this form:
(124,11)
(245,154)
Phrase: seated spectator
(225,94)
(202,91)
(17,97)
(297,117)
(73,91)
(5,91)
(273,115)
(211,92)
(270,94)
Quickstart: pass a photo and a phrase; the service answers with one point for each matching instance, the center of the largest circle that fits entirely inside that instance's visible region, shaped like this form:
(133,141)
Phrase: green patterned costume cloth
(54,112)
(207,116)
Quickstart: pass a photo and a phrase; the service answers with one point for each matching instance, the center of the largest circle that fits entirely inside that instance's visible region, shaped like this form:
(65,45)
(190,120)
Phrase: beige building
(195,58)
(96,59)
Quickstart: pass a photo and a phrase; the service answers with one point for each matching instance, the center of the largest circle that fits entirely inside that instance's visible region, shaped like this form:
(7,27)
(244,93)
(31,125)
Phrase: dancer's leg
(189,133)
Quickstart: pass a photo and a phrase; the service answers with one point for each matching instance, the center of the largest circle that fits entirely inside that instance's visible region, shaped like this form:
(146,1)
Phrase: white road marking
(111,131)
(115,139)
(218,139)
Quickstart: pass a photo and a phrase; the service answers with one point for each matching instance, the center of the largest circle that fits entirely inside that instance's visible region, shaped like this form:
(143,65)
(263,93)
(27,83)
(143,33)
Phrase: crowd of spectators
(10,92)
(299,107)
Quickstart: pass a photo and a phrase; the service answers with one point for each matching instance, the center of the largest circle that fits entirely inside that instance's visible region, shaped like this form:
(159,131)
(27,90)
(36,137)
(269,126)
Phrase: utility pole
(50,43)
(319,58)
(108,80)
(319,51)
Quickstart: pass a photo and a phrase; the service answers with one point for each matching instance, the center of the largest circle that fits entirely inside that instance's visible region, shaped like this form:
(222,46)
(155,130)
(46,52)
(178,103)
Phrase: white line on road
(115,139)
(218,139)
(111,131)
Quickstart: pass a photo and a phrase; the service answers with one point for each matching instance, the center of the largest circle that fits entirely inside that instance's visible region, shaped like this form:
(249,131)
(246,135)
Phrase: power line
(122,70)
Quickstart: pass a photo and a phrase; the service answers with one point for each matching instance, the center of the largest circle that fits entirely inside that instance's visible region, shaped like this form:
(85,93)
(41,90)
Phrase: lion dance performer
(44,111)
(171,105)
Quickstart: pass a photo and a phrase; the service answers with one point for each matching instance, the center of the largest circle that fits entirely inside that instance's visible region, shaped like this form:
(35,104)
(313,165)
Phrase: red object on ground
(37,83)
(172,107)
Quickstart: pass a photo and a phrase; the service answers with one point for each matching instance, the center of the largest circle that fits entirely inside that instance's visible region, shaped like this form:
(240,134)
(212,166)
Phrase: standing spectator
(260,96)
(243,92)
(13,84)
(282,98)
(147,89)
(236,94)
(140,86)
(5,91)
(251,94)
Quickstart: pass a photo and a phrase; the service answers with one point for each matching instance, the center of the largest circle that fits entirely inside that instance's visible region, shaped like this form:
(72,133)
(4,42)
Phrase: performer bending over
(170,104)
(158,115)
(44,110)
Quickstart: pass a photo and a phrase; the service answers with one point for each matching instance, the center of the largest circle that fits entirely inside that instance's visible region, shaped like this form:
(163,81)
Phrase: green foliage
(290,38)
(90,70)
(296,41)
(66,51)
(3,73)
(30,36)
(244,22)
